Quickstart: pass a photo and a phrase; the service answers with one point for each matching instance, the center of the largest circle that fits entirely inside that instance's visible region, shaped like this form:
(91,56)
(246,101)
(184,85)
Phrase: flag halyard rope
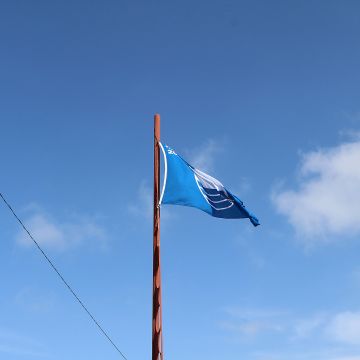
(63,279)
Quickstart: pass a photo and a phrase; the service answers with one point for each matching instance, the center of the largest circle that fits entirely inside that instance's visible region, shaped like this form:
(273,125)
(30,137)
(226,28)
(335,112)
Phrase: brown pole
(157,345)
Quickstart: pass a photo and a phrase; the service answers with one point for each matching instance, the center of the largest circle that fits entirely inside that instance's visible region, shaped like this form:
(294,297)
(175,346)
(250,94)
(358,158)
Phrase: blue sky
(263,95)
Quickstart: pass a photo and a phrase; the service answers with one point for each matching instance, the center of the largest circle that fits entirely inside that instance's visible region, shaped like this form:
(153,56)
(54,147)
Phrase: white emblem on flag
(212,190)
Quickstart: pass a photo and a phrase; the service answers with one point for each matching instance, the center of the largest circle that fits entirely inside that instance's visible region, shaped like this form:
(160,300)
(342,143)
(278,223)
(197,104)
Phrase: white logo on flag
(212,190)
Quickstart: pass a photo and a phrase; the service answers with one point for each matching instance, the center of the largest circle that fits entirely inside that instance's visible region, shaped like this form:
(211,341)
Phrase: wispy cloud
(320,336)
(143,206)
(345,327)
(250,328)
(248,323)
(322,354)
(327,200)
(304,328)
(355,276)
(204,156)
(61,235)
(331,328)
(34,300)
(251,252)
(350,134)
(353,116)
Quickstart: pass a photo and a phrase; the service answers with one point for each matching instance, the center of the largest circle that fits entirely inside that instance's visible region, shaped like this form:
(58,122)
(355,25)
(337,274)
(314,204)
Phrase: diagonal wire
(62,278)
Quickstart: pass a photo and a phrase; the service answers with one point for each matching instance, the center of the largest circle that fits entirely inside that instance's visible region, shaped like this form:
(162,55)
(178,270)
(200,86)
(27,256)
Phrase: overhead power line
(63,280)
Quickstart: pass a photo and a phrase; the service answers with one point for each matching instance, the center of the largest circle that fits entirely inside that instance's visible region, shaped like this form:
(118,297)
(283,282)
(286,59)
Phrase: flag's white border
(165,174)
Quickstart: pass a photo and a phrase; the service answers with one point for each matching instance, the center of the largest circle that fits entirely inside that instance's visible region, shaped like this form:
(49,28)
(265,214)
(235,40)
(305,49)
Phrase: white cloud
(345,327)
(323,336)
(342,327)
(60,235)
(327,201)
(203,158)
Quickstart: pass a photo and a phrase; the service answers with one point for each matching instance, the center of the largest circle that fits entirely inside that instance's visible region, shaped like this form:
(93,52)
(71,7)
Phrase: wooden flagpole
(157,343)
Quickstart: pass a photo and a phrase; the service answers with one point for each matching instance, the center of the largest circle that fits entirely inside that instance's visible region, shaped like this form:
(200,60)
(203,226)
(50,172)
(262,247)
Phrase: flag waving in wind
(188,186)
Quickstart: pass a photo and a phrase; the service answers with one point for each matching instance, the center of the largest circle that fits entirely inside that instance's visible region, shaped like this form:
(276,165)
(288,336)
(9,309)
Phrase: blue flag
(188,186)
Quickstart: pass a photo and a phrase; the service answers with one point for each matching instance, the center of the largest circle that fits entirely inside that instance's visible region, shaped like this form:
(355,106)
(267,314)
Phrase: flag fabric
(185,185)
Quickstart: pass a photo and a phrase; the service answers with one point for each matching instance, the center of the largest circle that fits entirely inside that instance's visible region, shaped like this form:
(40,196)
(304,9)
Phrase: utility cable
(62,279)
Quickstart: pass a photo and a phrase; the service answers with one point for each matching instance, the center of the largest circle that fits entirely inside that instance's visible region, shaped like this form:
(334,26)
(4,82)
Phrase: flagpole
(157,344)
